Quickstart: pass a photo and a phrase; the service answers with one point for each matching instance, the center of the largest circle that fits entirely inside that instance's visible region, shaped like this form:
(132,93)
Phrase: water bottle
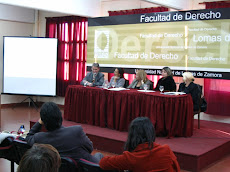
(21,129)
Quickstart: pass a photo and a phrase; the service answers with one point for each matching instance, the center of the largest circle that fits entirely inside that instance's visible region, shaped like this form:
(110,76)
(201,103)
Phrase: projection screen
(29,65)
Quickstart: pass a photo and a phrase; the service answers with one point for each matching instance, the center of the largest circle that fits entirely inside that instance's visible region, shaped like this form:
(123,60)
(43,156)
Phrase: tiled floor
(11,119)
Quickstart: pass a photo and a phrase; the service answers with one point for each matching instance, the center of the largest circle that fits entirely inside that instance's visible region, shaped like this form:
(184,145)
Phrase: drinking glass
(105,84)
(161,88)
(113,85)
(145,87)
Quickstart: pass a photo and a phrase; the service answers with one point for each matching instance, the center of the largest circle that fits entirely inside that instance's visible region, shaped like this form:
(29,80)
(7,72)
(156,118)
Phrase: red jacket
(142,159)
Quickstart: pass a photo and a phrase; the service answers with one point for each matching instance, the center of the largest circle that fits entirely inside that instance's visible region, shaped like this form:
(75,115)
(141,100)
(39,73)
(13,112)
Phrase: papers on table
(117,89)
(174,93)
(147,91)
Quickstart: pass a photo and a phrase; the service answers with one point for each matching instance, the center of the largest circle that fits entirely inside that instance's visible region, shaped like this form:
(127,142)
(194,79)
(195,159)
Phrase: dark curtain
(217,4)
(217,91)
(217,94)
(138,11)
(71,32)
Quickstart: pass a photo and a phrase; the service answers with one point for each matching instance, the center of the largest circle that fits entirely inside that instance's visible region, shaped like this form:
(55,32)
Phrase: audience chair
(19,147)
(87,166)
(198,111)
(15,151)
(68,165)
(6,151)
(5,148)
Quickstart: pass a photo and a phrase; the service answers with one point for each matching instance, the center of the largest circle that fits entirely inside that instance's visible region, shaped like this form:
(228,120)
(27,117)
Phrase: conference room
(49,49)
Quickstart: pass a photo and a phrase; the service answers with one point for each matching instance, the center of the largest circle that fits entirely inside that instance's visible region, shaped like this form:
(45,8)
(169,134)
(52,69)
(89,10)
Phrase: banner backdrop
(196,41)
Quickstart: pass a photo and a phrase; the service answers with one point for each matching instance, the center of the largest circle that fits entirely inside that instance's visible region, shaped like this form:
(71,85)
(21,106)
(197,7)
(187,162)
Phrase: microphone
(94,76)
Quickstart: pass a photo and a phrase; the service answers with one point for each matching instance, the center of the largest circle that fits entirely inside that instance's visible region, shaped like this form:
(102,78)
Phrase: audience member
(141,152)
(167,80)
(140,80)
(69,141)
(190,88)
(94,78)
(118,79)
(40,158)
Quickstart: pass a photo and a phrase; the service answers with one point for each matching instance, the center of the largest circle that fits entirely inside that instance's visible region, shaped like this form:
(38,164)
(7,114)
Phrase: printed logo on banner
(101,44)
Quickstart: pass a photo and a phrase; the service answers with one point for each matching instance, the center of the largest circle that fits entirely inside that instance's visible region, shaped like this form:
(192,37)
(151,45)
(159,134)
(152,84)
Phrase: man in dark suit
(69,141)
(94,78)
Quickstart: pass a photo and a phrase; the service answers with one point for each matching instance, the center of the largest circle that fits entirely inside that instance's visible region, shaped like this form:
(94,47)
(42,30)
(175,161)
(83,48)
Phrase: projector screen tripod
(30,101)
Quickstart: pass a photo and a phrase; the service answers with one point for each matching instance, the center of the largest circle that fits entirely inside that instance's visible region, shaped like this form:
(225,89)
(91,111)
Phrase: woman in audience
(117,80)
(140,80)
(190,88)
(40,158)
(141,153)
(167,80)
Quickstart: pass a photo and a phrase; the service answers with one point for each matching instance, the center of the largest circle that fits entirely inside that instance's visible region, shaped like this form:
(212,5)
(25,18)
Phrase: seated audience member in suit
(167,80)
(190,88)
(140,80)
(41,157)
(118,79)
(94,78)
(141,153)
(69,141)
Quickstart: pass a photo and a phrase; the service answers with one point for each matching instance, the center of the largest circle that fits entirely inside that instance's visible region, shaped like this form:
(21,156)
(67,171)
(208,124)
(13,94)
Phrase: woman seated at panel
(190,88)
(167,80)
(141,153)
(117,80)
(140,80)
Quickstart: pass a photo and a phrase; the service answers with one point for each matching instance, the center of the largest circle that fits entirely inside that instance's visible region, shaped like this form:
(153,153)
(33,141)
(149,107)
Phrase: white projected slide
(29,66)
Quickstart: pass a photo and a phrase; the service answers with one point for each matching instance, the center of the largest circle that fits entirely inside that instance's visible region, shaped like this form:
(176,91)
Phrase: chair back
(19,149)
(68,165)
(151,85)
(126,83)
(13,150)
(200,94)
(200,87)
(87,166)
(6,148)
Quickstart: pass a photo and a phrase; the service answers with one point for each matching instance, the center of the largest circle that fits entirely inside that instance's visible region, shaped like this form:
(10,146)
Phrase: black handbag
(203,105)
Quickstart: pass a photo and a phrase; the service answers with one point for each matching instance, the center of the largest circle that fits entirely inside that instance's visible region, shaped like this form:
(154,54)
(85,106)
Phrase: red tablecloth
(172,115)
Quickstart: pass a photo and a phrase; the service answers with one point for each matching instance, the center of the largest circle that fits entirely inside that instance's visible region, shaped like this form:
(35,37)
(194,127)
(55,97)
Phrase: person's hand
(142,82)
(85,83)
(40,121)
(90,84)
(116,78)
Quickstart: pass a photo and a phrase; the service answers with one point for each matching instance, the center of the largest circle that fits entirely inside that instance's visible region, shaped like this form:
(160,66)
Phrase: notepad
(174,93)
(147,91)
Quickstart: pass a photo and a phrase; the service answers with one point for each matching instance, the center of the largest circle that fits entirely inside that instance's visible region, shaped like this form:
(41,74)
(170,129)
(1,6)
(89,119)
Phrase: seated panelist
(117,80)
(190,88)
(141,153)
(167,80)
(94,78)
(140,80)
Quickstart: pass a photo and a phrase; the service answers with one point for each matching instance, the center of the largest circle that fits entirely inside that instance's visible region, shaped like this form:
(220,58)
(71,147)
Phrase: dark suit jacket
(168,83)
(99,79)
(195,92)
(69,141)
